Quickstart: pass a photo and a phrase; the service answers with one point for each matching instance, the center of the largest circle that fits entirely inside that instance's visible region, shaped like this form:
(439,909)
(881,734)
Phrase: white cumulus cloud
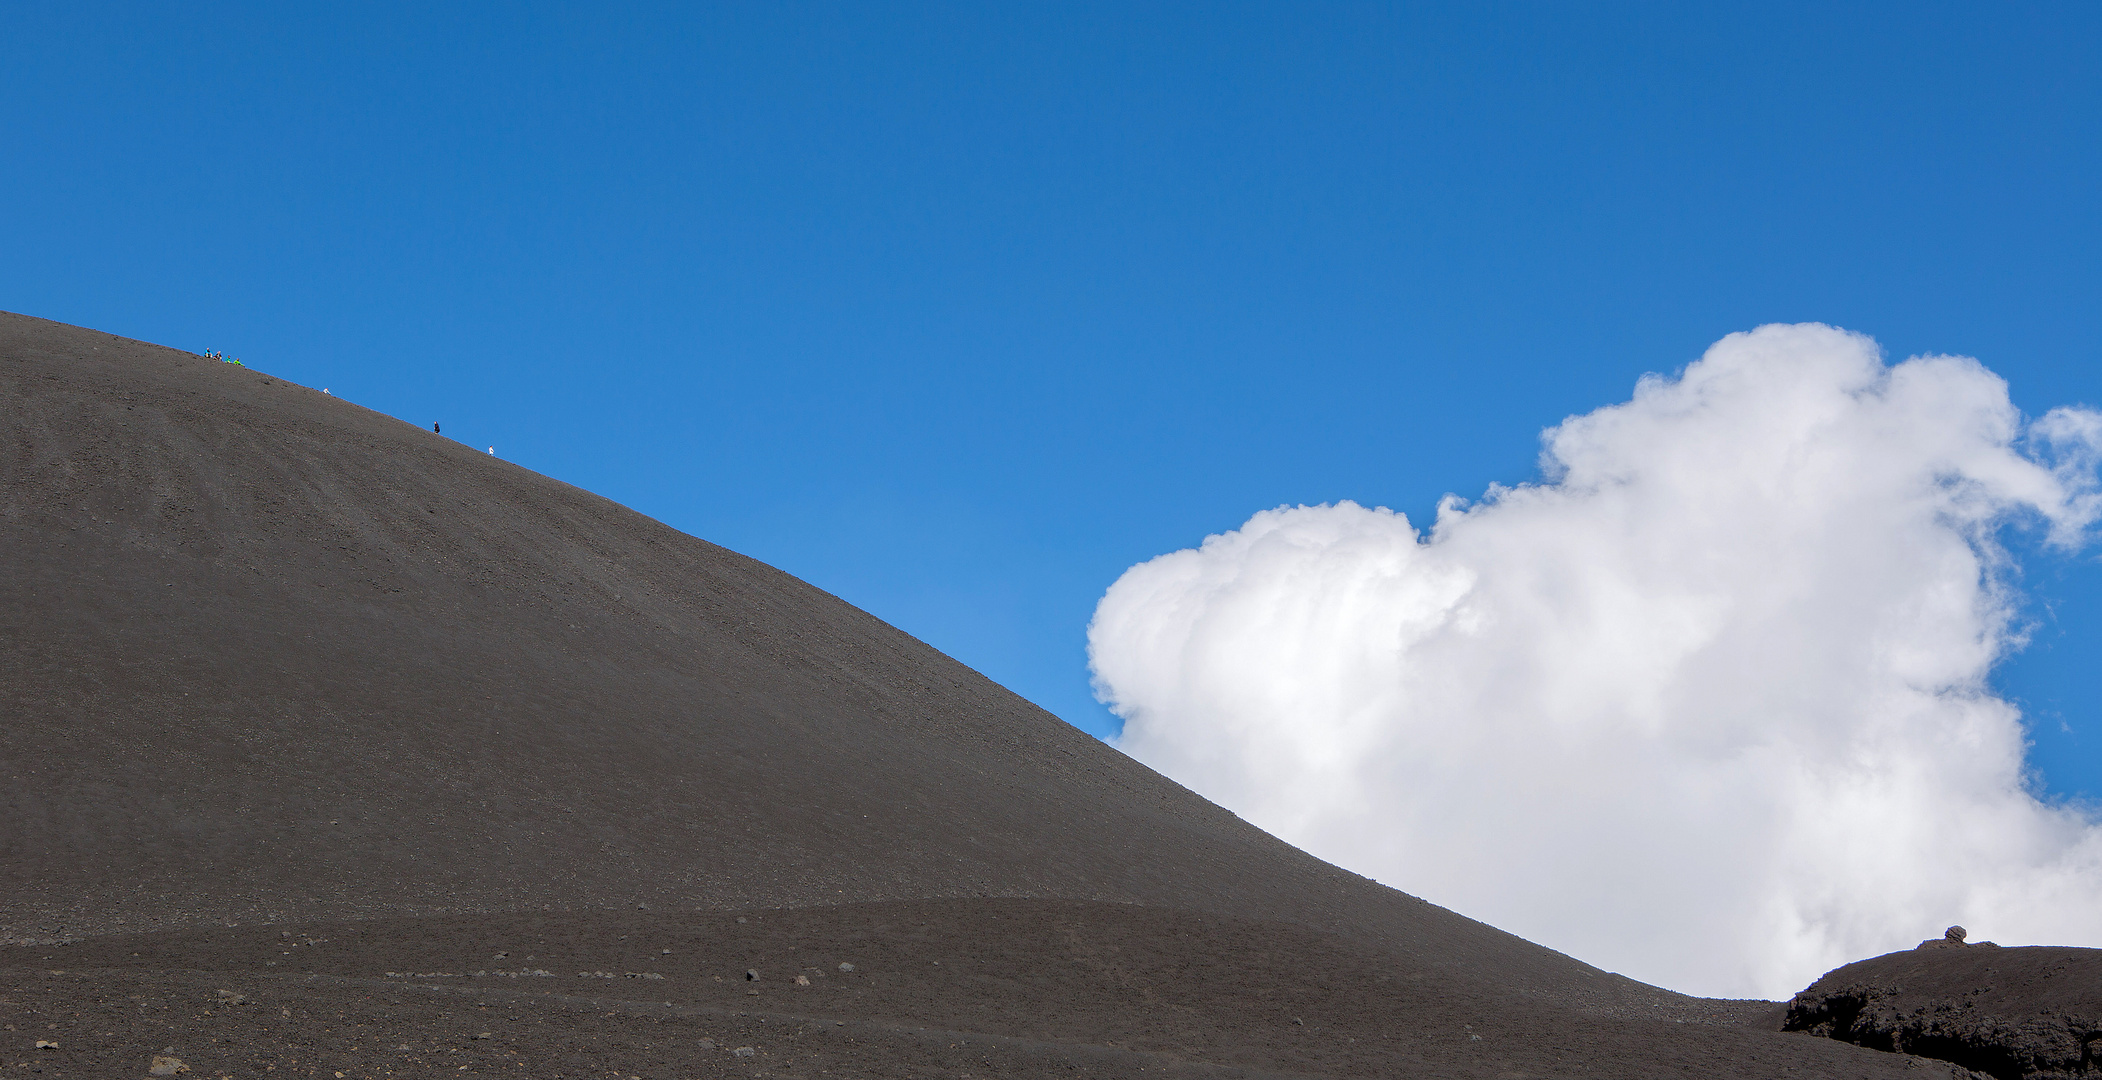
(1708,706)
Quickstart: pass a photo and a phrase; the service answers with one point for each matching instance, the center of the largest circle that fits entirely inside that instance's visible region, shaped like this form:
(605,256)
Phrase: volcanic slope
(398,737)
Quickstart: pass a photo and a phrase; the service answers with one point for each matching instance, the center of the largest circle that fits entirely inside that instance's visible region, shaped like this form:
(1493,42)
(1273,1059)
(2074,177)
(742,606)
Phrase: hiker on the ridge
(434,427)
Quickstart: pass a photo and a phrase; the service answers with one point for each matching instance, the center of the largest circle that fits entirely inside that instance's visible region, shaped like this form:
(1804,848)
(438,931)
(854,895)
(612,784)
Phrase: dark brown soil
(294,695)
(2010,1013)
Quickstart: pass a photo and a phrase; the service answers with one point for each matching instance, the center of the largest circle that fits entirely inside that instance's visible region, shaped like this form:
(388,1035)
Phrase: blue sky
(960,310)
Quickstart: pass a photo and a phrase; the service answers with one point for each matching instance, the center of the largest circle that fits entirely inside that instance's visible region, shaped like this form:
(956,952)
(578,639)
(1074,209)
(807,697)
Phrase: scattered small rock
(802,980)
(707,1044)
(846,967)
(46,1044)
(232,997)
(167,1066)
(745,1051)
(751,975)
(483,1035)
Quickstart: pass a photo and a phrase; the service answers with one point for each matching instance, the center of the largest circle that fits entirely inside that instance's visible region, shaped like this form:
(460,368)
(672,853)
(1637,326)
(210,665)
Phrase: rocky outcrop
(2032,1013)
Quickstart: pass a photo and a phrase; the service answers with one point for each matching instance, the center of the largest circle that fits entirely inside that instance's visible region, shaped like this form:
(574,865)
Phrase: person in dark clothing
(434,427)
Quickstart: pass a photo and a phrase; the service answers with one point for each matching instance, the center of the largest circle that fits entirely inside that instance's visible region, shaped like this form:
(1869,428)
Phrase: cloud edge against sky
(1706,704)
